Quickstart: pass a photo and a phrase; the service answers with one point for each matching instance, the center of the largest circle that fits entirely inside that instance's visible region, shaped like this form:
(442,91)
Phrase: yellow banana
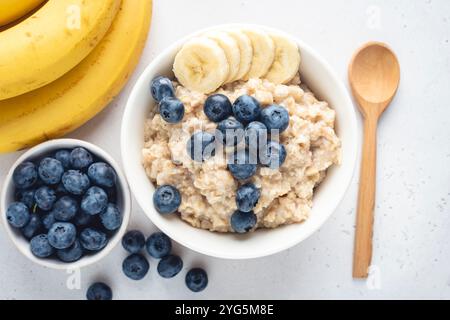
(70,101)
(11,10)
(51,42)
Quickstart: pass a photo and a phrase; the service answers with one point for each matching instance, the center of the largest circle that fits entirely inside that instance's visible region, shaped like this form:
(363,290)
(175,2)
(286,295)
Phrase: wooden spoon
(374,75)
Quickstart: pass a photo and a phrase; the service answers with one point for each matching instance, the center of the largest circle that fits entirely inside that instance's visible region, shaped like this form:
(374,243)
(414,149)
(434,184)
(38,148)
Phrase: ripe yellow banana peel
(73,99)
(12,10)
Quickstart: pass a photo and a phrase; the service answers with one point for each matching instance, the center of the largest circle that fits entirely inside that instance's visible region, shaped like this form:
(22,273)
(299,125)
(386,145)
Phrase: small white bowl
(123,202)
(319,76)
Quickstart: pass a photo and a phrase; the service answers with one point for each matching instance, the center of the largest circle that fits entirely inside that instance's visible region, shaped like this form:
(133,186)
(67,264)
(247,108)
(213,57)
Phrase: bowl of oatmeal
(295,197)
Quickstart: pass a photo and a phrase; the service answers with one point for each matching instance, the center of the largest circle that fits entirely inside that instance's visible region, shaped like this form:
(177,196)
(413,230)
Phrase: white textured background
(412,224)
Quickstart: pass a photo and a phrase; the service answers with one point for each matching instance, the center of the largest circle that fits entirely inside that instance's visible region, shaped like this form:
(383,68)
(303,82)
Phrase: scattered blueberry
(33,226)
(62,235)
(48,220)
(135,266)
(45,198)
(26,196)
(217,107)
(64,157)
(196,279)
(93,240)
(133,241)
(75,182)
(243,222)
(166,199)
(275,118)
(201,146)
(170,266)
(231,131)
(41,247)
(82,219)
(255,134)
(171,110)
(25,175)
(99,291)
(80,158)
(65,208)
(111,217)
(94,201)
(158,245)
(102,174)
(274,155)
(50,170)
(247,197)
(18,214)
(241,165)
(72,253)
(246,109)
(161,87)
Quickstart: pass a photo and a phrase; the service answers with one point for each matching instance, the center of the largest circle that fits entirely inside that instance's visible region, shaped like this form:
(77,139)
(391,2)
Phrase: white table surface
(412,224)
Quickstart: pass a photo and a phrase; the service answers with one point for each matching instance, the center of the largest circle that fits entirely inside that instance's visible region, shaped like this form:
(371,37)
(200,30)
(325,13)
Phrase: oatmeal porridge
(208,189)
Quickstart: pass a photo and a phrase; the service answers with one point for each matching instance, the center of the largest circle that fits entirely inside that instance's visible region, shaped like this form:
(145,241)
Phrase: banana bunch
(206,62)
(63,64)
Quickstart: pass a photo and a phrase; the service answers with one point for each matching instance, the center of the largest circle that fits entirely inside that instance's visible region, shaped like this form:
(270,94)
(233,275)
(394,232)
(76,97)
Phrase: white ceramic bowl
(318,75)
(123,202)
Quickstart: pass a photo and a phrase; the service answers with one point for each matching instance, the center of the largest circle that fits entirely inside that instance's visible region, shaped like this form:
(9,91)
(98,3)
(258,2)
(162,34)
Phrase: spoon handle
(366,200)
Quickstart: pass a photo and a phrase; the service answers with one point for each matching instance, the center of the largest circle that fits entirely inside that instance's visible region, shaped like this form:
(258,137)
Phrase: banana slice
(263,53)
(201,65)
(231,49)
(287,60)
(246,50)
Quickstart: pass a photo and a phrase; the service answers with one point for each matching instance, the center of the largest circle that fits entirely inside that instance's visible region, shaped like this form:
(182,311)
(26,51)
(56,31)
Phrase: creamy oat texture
(208,189)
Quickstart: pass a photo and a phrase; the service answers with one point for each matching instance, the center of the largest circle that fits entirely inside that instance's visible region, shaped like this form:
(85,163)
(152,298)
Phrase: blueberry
(41,247)
(48,220)
(72,253)
(255,134)
(25,175)
(231,131)
(64,157)
(45,198)
(171,110)
(18,214)
(50,170)
(242,222)
(94,201)
(158,245)
(246,109)
(33,226)
(93,240)
(65,208)
(196,279)
(247,197)
(275,118)
(82,219)
(170,266)
(102,174)
(161,87)
(201,146)
(75,182)
(133,241)
(99,291)
(241,165)
(166,199)
(135,266)
(273,155)
(111,217)
(26,196)
(80,158)
(217,107)
(62,235)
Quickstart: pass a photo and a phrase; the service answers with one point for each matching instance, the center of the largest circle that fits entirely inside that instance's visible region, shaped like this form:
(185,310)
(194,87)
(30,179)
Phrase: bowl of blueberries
(65,204)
